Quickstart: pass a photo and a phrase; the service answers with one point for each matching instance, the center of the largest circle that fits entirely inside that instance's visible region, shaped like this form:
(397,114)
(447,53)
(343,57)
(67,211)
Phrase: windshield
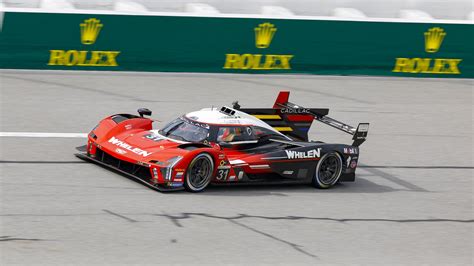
(182,129)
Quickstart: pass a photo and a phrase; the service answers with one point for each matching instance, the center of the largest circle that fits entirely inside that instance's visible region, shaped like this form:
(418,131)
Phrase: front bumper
(158,187)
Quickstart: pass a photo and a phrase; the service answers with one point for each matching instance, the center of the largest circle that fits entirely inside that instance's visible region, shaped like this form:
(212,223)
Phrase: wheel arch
(316,178)
(187,183)
(212,152)
(116,124)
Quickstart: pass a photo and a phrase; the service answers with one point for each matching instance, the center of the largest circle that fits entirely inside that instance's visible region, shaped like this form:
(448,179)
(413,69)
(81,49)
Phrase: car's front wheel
(199,173)
(328,170)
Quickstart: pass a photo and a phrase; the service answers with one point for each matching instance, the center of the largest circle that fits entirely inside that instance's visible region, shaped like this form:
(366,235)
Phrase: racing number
(222,174)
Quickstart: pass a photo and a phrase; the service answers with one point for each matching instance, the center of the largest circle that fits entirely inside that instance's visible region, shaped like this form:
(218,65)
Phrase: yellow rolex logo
(249,61)
(264,35)
(90,30)
(433,39)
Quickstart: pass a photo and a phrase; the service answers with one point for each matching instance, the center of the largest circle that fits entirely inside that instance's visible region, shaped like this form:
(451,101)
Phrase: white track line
(43,135)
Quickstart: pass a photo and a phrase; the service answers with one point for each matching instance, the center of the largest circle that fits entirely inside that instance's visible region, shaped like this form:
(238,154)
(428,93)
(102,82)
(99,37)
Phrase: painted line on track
(43,135)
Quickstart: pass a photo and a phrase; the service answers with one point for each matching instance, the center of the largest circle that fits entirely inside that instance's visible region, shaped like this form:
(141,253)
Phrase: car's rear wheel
(328,170)
(199,173)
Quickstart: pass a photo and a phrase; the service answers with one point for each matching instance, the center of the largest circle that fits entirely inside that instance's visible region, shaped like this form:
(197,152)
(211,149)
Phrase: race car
(227,145)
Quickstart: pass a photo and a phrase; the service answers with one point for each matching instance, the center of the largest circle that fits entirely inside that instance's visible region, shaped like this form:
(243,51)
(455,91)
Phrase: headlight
(167,167)
(174,160)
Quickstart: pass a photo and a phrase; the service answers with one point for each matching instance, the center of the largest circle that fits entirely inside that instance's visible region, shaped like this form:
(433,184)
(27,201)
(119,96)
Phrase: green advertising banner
(235,45)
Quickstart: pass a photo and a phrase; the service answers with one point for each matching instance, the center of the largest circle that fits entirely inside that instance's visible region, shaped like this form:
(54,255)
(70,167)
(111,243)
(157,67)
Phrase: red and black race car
(225,145)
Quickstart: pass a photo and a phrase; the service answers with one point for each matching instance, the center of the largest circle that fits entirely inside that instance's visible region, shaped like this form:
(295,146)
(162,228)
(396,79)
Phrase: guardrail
(229,44)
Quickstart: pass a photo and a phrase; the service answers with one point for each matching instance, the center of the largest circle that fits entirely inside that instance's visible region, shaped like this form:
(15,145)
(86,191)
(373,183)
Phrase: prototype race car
(225,145)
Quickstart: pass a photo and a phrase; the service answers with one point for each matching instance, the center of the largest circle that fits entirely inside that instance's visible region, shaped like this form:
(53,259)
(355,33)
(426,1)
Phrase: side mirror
(144,111)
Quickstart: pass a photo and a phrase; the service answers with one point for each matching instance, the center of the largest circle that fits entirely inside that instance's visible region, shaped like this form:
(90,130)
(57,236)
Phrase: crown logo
(264,35)
(433,39)
(90,30)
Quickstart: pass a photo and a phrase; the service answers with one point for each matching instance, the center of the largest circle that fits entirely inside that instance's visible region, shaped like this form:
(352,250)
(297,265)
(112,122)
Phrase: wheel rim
(200,172)
(329,170)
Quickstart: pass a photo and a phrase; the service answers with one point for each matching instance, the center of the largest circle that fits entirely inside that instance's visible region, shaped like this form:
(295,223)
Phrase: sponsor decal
(90,30)
(314,153)
(351,151)
(126,146)
(264,34)
(257,61)
(295,111)
(203,125)
(230,117)
(433,39)
(353,164)
(222,174)
(174,184)
(120,151)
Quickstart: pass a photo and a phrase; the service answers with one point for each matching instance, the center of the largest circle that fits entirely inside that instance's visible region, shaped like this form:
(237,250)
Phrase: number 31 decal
(222,174)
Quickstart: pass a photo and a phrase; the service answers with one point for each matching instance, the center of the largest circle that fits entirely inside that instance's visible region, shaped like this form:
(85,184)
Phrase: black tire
(199,173)
(328,170)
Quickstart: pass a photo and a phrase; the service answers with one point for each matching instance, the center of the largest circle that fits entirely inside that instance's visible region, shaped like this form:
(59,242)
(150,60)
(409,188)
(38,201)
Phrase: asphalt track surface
(412,202)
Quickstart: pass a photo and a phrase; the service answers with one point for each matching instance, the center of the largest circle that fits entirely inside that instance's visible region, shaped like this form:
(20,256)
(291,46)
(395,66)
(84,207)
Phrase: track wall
(235,45)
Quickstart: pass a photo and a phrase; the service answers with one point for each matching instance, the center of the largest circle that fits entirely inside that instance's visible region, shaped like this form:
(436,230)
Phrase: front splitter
(85,157)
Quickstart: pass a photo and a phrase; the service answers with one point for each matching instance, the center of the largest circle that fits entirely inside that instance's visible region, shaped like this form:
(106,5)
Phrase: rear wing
(288,111)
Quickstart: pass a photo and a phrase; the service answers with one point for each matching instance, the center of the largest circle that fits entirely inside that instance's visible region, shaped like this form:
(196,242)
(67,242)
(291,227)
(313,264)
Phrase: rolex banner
(235,45)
